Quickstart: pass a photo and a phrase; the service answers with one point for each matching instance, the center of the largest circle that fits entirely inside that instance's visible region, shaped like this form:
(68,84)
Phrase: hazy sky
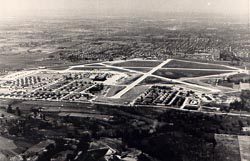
(32,7)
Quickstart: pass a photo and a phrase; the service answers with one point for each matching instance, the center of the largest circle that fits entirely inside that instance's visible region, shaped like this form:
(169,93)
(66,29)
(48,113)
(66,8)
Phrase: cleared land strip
(145,75)
(244,143)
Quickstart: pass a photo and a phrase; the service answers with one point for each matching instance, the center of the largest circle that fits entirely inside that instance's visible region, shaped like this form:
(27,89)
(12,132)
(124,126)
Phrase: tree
(244,103)
(9,109)
(73,58)
(18,111)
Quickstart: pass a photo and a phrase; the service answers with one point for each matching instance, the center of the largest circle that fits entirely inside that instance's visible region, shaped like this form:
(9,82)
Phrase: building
(241,86)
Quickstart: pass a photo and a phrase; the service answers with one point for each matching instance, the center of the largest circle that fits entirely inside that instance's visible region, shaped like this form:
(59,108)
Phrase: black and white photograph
(124,80)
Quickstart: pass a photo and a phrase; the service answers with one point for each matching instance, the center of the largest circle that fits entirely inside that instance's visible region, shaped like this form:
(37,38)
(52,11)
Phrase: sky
(110,7)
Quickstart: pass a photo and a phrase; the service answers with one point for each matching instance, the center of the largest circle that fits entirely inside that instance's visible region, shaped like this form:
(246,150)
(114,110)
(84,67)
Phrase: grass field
(176,74)
(127,97)
(6,144)
(89,68)
(138,64)
(153,80)
(240,76)
(236,78)
(21,61)
(58,67)
(114,90)
(134,93)
(183,64)
(98,68)
(130,79)
(244,143)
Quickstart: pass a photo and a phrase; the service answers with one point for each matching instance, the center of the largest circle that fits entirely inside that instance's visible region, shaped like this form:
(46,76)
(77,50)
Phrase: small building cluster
(169,96)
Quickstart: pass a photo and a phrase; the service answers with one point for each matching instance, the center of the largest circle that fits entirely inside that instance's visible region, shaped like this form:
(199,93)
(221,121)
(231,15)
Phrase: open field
(244,143)
(227,148)
(7,147)
(6,144)
(153,80)
(134,63)
(144,70)
(230,82)
(20,61)
(97,68)
(67,65)
(131,79)
(210,83)
(134,93)
(177,74)
(189,64)
(113,90)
